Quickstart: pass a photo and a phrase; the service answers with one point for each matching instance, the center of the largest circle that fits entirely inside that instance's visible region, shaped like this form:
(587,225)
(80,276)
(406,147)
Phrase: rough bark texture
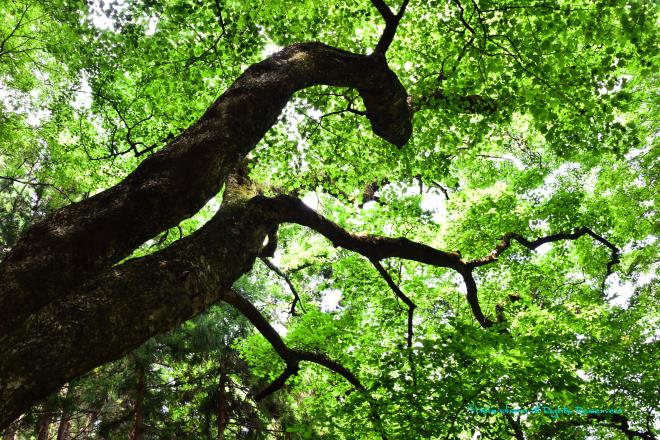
(66,309)
(50,259)
(64,426)
(121,308)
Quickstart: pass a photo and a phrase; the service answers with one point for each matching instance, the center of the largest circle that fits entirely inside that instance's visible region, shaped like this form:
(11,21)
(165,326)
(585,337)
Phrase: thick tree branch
(473,298)
(122,307)
(268,251)
(292,210)
(190,170)
(375,248)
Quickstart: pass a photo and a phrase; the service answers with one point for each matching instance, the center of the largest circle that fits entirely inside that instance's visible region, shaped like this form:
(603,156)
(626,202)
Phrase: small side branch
(296,296)
(34,184)
(461,16)
(399,294)
(391,24)
(473,298)
(505,243)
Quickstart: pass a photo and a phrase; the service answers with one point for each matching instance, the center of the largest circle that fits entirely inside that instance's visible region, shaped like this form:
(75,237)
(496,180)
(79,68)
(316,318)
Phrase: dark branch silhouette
(399,294)
(391,24)
(285,277)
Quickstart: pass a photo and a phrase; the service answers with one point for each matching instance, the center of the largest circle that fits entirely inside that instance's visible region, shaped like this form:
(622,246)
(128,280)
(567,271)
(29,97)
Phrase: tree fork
(190,170)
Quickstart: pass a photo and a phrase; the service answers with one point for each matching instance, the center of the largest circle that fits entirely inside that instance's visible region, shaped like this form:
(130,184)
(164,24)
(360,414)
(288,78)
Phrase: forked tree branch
(191,170)
(376,248)
(505,243)
(291,357)
(391,24)
(86,290)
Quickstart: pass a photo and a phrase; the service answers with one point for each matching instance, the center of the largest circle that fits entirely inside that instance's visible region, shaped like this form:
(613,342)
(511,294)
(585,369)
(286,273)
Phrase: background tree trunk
(43,425)
(222,399)
(138,419)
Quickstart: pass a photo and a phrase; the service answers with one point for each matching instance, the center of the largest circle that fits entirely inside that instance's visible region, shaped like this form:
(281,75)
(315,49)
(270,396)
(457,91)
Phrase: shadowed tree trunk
(222,399)
(64,427)
(10,433)
(43,426)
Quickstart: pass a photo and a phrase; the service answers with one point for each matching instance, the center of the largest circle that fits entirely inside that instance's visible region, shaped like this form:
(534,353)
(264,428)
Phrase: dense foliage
(531,118)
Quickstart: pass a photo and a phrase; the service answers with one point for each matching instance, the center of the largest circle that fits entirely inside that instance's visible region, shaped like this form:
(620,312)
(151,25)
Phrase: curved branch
(292,210)
(473,298)
(291,357)
(461,16)
(296,296)
(376,248)
(331,365)
(268,251)
(402,296)
(505,243)
(190,170)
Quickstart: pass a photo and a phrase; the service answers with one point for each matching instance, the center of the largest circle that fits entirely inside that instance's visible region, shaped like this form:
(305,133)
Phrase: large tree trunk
(64,307)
